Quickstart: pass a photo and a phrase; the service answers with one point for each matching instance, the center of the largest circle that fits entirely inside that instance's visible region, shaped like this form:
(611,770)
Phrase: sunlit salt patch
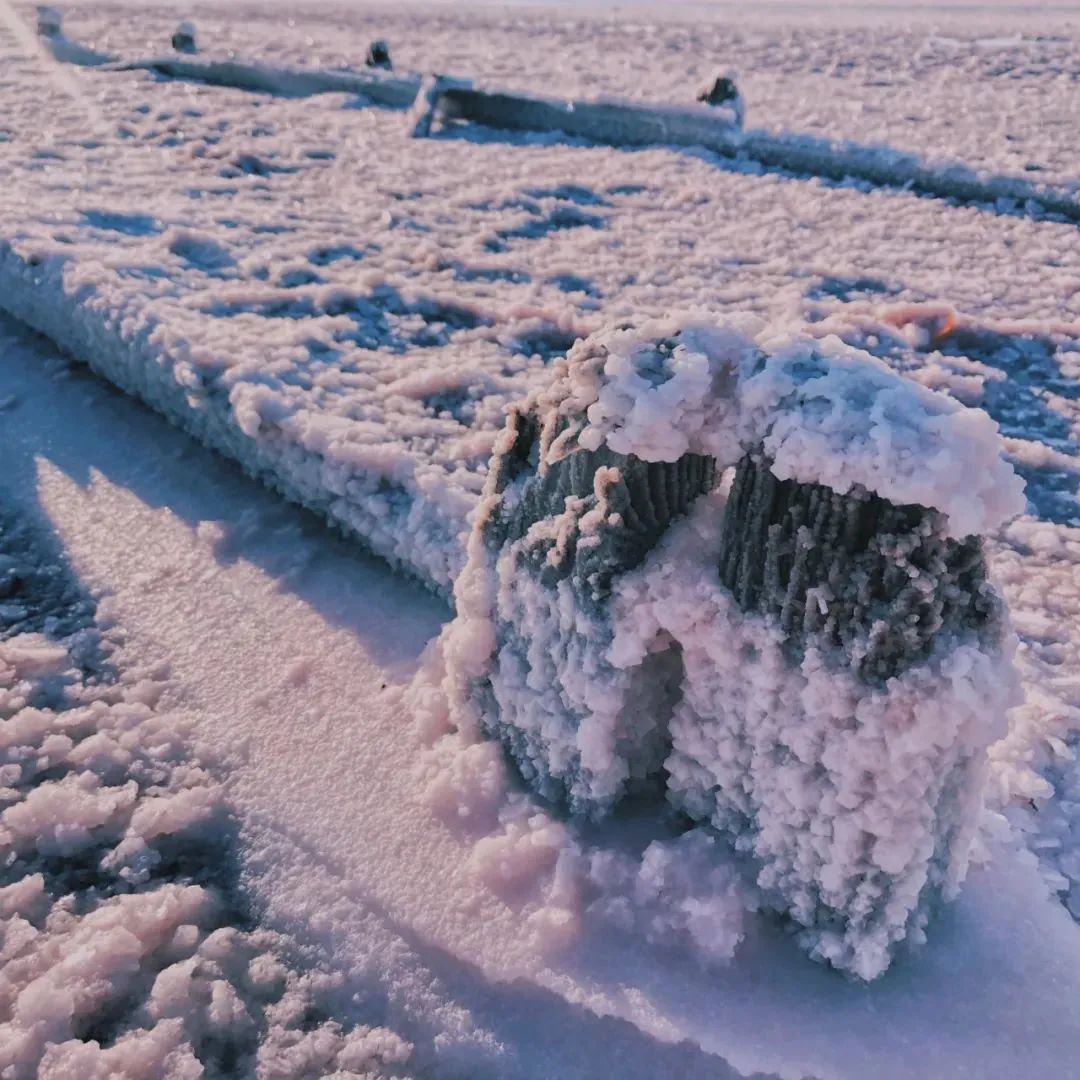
(65,816)
(963,379)
(465,783)
(29,656)
(1037,455)
(515,861)
(683,892)
(934,329)
(118,957)
(1034,778)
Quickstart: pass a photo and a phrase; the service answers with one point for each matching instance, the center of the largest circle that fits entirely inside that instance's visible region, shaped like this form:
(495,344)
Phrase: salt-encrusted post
(49,22)
(811,657)
(183,39)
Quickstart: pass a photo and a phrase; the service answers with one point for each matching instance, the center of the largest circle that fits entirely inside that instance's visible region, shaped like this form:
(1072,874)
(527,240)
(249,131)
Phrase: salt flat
(318,296)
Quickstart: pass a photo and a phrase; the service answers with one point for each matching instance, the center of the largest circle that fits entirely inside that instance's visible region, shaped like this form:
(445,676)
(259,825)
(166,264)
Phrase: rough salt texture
(1034,768)
(858,804)
(338,748)
(681,889)
(280,335)
(990,90)
(845,757)
(125,947)
(823,412)
(243,287)
(121,950)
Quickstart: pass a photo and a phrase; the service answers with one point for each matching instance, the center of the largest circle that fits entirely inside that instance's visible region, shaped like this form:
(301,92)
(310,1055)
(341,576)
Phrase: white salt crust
(97,776)
(857,804)
(823,411)
(310,453)
(691,232)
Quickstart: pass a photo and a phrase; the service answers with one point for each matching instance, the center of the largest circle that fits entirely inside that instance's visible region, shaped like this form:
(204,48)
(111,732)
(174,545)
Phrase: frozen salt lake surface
(311,292)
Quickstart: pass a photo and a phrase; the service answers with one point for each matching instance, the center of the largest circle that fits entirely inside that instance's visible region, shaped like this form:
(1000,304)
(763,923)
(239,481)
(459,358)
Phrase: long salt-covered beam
(615,122)
(410,511)
(285,80)
(809,659)
(636,123)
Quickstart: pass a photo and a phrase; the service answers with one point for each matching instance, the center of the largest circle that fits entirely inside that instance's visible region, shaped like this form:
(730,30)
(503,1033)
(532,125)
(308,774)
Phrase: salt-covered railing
(607,120)
(615,122)
(634,123)
(393,91)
